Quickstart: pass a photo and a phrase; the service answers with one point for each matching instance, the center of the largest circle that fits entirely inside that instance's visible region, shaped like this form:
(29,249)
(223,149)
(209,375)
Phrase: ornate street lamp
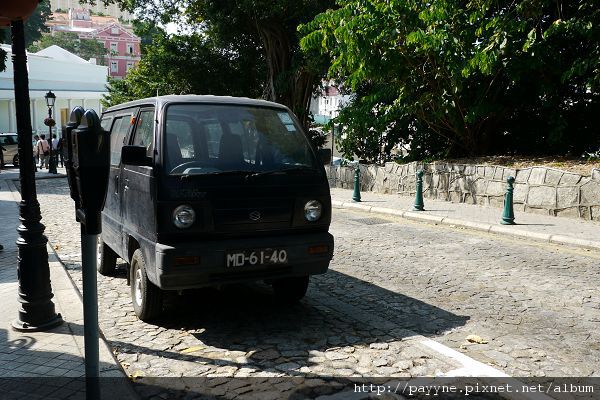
(36,311)
(50,122)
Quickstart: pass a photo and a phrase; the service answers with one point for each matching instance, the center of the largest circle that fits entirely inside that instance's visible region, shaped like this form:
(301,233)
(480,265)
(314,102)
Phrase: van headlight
(313,210)
(184,216)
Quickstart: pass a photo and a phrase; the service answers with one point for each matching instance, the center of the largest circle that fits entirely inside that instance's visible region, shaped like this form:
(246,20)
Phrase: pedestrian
(43,151)
(2,150)
(60,149)
(54,150)
(36,157)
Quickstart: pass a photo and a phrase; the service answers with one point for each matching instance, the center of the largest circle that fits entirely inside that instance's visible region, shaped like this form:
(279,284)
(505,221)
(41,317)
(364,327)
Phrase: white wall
(74,83)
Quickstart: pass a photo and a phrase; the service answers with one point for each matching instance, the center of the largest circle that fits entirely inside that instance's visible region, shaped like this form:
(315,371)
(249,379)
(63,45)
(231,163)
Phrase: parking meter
(90,148)
(74,121)
(88,156)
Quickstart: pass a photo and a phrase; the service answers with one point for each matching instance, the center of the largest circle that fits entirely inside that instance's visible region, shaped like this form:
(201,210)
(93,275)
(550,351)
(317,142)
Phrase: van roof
(160,101)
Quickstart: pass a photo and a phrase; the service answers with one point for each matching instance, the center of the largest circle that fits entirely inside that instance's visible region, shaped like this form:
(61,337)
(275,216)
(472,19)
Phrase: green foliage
(464,78)
(34,27)
(189,65)
(269,26)
(84,48)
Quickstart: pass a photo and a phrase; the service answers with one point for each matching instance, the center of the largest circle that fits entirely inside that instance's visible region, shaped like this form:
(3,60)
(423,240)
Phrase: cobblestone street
(393,284)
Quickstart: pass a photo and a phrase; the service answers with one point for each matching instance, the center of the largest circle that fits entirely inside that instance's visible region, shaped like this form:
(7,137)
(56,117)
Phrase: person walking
(36,157)
(43,149)
(2,150)
(54,144)
(61,151)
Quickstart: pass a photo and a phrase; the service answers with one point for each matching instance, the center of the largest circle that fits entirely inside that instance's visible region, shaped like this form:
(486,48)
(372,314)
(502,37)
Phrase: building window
(129,48)
(114,47)
(129,65)
(114,66)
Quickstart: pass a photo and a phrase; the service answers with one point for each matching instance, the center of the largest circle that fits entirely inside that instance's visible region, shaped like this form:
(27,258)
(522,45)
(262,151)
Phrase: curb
(504,230)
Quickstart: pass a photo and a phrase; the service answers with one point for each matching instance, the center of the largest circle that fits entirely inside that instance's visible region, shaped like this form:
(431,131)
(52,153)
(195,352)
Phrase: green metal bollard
(508,216)
(356,194)
(419,206)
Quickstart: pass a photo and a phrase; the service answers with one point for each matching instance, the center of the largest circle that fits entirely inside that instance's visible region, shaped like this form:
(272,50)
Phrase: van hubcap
(138,286)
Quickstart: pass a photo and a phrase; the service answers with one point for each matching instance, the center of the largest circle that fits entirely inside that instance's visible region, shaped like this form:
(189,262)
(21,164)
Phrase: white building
(74,81)
(332,101)
(99,8)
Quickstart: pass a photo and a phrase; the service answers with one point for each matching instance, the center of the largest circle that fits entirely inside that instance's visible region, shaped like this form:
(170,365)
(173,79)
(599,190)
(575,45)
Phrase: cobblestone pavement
(391,283)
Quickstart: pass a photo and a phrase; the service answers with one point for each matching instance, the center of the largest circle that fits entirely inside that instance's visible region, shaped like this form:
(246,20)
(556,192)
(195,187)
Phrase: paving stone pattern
(538,308)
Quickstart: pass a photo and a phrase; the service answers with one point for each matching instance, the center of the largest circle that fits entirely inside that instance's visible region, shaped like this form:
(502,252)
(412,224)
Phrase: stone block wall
(537,189)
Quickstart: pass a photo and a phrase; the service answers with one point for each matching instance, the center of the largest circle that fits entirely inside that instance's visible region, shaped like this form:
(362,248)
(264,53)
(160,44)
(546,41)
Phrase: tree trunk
(286,84)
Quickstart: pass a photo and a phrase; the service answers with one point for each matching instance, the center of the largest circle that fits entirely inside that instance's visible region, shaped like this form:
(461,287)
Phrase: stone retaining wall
(537,189)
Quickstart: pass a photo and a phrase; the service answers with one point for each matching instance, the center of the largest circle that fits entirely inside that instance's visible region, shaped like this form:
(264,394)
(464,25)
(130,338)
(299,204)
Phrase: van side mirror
(325,156)
(135,155)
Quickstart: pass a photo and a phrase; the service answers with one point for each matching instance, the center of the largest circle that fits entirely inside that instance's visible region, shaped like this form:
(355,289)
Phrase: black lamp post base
(22,326)
(52,165)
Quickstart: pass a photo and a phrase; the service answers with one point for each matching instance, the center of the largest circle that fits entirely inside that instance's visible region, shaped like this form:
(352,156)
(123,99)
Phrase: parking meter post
(90,314)
(356,194)
(508,214)
(88,168)
(419,206)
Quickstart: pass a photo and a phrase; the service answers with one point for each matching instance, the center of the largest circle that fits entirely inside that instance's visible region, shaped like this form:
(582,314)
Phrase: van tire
(108,259)
(145,296)
(291,289)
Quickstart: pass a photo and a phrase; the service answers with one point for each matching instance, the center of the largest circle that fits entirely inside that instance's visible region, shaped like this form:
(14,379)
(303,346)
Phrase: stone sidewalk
(559,230)
(45,365)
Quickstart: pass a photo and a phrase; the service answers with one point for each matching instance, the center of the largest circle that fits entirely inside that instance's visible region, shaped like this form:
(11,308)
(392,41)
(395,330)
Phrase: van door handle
(116,184)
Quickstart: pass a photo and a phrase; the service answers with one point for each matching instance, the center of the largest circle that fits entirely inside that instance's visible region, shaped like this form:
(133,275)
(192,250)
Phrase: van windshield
(214,139)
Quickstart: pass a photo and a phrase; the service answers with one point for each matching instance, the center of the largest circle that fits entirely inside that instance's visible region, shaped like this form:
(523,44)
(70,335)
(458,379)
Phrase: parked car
(9,141)
(208,190)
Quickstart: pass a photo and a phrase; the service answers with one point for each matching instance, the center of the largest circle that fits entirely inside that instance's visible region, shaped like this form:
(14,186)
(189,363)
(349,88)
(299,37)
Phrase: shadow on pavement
(274,338)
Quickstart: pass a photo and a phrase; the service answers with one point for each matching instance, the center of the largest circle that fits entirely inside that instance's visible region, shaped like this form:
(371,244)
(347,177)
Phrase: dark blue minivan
(208,190)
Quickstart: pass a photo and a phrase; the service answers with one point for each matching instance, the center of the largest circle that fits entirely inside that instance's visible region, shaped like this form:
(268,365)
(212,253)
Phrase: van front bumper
(196,264)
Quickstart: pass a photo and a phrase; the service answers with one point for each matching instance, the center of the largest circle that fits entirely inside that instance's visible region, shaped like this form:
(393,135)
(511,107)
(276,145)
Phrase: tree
(34,27)
(175,64)
(466,78)
(271,26)
(84,48)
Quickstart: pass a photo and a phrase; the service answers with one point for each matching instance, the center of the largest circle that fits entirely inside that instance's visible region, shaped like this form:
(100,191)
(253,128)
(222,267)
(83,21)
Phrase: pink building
(123,47)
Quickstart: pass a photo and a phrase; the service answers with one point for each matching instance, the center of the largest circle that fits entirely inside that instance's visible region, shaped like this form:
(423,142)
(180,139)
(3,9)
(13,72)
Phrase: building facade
(74,81)
(123,48)
(99,8)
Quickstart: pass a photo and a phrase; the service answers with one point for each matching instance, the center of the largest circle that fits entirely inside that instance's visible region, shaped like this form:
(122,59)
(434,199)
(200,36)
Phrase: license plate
(244,258)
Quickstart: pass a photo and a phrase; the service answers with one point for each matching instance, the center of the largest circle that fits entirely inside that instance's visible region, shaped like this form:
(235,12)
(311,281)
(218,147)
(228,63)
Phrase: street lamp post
(50,100)
(36,311)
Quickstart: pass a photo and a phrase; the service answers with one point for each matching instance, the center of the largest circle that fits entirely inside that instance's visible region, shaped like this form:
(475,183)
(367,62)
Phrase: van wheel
(291,289)
(108,259)
(16,160)
(146,297)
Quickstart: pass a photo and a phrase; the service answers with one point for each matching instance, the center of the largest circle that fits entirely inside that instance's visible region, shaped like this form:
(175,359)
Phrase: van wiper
(283,171)
(253,174)
(232,172)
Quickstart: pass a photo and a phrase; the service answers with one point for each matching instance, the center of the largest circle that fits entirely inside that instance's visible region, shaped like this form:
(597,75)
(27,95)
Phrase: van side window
(144,131)
(117,137)
(106,123)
